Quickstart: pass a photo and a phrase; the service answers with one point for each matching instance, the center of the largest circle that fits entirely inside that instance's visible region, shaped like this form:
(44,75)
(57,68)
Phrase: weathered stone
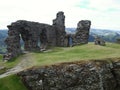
(33,33)
(59,24)
(116,71)
(118,40)
(37,36)
(89,75)
(99,41)
(82,33)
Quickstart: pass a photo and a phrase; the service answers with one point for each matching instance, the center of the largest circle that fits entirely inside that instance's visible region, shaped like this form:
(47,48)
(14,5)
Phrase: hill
(3,35)
(57,55)
(65,54)
(107,35)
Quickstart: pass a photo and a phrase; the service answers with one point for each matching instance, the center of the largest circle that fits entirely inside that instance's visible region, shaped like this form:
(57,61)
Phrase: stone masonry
(99,41)
(81,36)
(118,40)
(37,36)
(59,24)
(84,75)
(33,33)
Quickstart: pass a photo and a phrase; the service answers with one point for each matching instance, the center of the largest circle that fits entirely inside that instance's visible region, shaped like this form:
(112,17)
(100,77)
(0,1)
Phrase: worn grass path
(27,61)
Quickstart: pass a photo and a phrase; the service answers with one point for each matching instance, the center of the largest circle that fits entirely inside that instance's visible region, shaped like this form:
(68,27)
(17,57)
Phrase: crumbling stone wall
(32,33)
(85,75)
(99,41)
(59,24)
(48,35)
(82,34)
(13,44)
(118,40)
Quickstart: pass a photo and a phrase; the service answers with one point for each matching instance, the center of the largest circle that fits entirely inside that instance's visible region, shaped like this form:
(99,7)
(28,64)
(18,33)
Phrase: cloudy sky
(104,14)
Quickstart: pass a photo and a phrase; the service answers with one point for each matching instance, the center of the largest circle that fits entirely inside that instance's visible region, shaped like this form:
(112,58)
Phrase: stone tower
(82,32)
(59,24)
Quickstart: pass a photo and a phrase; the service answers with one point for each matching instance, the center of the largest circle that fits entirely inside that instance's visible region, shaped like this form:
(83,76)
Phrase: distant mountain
(70,30)
(107,35)
(3,35)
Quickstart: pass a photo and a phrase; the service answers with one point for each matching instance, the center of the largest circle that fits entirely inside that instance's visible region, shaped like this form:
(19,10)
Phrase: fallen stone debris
(99,41)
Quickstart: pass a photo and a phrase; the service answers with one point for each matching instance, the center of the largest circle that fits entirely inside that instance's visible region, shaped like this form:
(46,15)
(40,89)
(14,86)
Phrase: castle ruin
(33,33)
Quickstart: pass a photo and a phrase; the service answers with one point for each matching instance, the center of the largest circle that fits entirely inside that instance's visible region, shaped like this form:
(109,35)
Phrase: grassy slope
(66,54)
(11,63)
(0,57)
(12,82)
(83,52)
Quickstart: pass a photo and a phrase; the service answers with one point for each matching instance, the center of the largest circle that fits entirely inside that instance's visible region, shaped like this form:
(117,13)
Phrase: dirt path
(26,62)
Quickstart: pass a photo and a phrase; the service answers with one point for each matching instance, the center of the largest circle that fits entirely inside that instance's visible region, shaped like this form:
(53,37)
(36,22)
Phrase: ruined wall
(118,40)
(99,41)
(82,32)
(85,75)
(32,33)
(48,35)
(59,24)
(13,43)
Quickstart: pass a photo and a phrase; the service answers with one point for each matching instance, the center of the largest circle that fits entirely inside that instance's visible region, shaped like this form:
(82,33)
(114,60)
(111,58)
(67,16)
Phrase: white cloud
(44,11)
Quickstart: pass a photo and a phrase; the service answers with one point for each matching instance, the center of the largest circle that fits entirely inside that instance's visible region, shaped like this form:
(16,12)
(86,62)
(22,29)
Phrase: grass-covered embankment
(76,53)
(12,82)
(58,55)
(7,65)
(67,54)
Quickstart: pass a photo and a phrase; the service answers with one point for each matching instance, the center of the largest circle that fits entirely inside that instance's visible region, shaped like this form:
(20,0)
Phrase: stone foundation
(84,75)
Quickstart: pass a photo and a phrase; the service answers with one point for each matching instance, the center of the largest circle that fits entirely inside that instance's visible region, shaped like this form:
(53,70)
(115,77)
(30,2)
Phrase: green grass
(58,55)
(76,53)
(12,82)
(8,64)
(0,57)
(67,54)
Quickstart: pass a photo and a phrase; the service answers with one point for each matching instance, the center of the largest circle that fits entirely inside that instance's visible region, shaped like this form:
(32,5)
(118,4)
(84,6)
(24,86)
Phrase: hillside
(65,54)
(3,35)
(107,35)
(57,55)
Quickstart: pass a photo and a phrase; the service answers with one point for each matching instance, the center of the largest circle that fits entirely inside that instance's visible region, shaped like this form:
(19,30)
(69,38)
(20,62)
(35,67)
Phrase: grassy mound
(67,54)
(12,82)
(58,55)
(83,52)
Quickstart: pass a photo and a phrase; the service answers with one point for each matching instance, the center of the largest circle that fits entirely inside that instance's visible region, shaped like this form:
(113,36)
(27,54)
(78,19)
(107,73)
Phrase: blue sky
(104,14)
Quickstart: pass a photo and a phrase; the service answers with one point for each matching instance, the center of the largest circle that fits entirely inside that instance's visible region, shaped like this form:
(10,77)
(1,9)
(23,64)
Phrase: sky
(104,14)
